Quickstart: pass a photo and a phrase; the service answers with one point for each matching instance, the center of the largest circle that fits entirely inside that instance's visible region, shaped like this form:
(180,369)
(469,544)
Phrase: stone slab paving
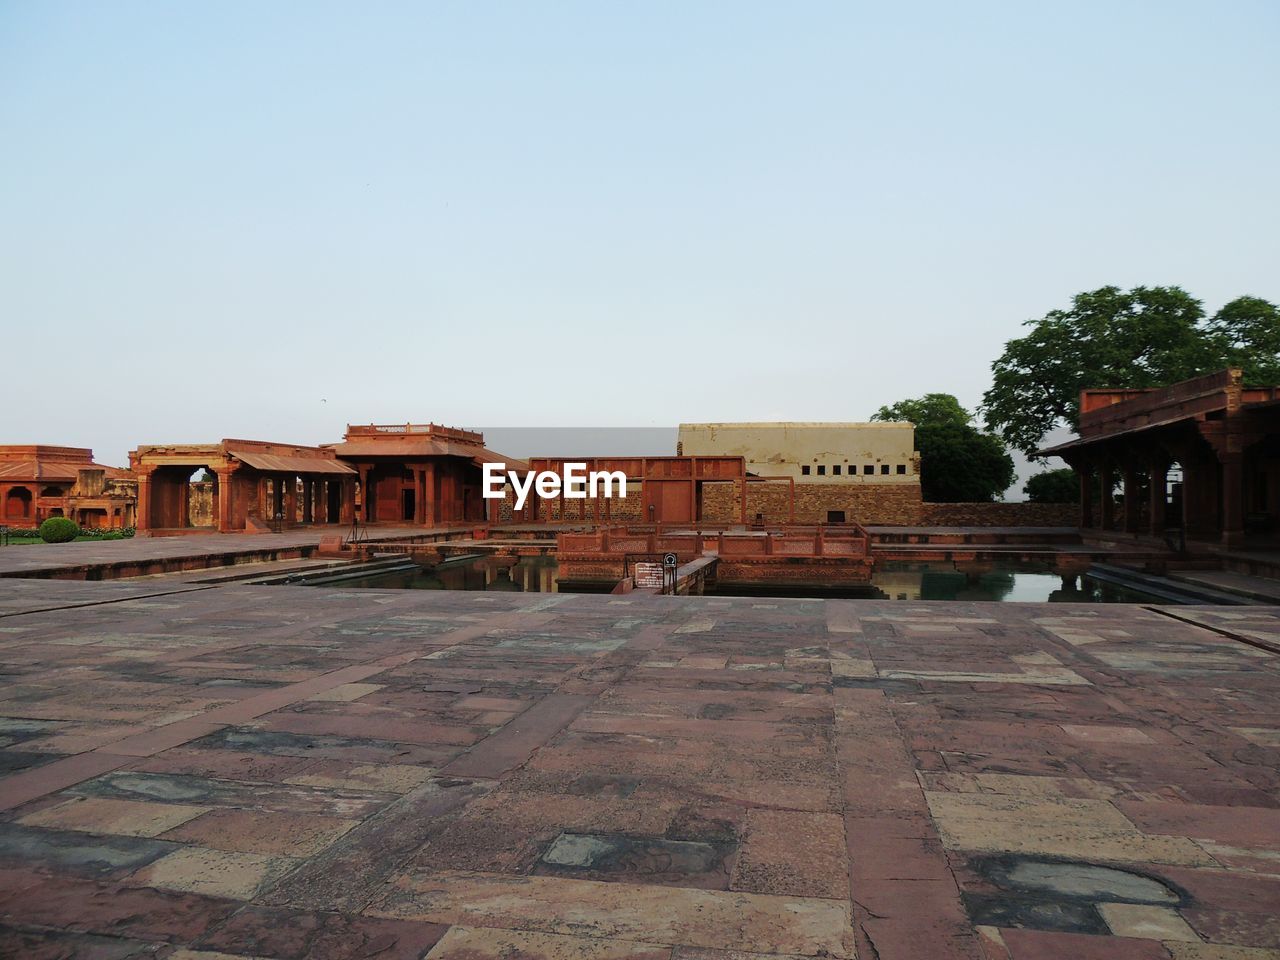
(292,773)
(36,559)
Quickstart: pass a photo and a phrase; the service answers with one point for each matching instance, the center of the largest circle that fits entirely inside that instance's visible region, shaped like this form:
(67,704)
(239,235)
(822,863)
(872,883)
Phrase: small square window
(902,468)
(835,516)
(804,470)
(884,468)
(822,470)
(868,468)
(836,470)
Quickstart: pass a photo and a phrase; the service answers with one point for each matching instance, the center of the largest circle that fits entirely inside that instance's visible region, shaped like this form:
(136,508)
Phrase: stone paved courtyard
(305,773)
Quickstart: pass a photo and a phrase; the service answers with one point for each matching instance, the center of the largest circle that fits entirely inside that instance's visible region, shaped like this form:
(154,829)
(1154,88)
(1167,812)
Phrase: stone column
(366,506)
(291,499)
(1130,498)
(419,496)
(1156,493)
(142,518)
(1107,504)
(1233,499)
(432,503)
(223,518)
(1085,476)
(347,503)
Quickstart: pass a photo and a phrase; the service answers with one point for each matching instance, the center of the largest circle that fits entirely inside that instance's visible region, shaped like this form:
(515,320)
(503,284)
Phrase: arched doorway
(17,504)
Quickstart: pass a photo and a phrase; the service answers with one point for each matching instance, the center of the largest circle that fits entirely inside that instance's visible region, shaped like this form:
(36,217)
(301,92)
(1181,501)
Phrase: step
(1166,588)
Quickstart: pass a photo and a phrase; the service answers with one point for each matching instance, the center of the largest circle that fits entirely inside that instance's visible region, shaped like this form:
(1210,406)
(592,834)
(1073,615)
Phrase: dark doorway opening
(409,503)
(335,502)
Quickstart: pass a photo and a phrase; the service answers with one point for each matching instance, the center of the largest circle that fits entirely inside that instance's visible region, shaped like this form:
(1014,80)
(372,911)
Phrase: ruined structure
(422,474)
(38,481)
(1203,455)
(255,486)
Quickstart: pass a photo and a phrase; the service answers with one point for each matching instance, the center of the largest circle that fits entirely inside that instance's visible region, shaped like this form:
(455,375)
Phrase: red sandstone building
(659,490)
(256,486)
(1203,455)
(422,474)
(39,481)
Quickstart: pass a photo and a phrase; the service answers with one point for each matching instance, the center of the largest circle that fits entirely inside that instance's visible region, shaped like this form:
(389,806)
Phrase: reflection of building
(1224,437)
(38,482)
(841,472)
(254,484)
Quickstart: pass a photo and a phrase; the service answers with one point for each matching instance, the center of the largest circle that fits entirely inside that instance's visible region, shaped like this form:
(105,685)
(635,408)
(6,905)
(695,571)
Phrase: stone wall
(999,515)
(862,503)
(628,509)
(887,504)
(874,505)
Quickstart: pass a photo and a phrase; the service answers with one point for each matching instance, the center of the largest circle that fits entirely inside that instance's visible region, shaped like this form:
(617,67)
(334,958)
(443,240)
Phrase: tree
(1144,337)
(1246,333)
(958,462)
(1052,486)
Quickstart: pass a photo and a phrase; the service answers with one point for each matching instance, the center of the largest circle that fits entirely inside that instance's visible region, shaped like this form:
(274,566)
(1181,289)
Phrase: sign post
(669,563)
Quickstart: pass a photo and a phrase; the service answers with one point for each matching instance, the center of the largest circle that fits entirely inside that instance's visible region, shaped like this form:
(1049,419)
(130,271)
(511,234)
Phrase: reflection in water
(891,581)
(1025,583)
(499,574)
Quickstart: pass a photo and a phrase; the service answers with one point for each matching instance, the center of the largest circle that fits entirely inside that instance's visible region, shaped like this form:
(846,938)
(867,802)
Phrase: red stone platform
(291,772)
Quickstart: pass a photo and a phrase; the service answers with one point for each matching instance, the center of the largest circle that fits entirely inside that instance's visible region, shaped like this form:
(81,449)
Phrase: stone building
(254,486)
(38,481)
(419,473)
(812,453)
(813,472)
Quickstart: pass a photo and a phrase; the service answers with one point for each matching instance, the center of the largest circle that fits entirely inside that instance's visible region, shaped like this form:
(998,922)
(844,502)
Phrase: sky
(271,220)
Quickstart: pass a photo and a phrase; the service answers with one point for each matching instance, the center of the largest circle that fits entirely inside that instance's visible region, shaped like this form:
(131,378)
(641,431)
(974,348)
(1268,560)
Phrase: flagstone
(131,818)
(215,873)
(649,914)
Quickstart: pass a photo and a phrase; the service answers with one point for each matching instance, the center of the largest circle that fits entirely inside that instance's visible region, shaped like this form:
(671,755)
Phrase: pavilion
(419,473)
(256,486)
(1202,455)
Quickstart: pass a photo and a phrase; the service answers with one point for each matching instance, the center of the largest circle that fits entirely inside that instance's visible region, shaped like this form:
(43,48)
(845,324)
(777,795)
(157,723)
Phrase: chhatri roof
(411,441)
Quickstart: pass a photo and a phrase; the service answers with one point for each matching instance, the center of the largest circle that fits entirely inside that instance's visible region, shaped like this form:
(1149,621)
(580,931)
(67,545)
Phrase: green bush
(1053,486)
(58,530)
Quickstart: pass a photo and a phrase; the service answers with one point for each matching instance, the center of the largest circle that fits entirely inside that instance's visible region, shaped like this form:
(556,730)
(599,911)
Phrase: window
(835,516)
(902,468)
(804,470)
(884,468)
(822,470)
(868,468)
(836,470)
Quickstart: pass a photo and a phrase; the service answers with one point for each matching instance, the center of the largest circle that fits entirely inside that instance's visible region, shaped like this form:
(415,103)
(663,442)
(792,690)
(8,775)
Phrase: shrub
(1053,486)
(58,530)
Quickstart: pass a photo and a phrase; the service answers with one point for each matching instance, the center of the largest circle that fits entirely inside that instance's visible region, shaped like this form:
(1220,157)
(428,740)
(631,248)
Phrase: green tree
(1144,337)
(1246,333)
(958,462)
(1052,486)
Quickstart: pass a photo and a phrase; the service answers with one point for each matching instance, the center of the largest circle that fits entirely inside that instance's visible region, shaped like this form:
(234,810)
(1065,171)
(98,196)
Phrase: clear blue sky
(213,217)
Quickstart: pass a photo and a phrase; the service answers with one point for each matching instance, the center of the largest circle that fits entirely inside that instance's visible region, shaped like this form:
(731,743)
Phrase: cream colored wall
(781,449)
